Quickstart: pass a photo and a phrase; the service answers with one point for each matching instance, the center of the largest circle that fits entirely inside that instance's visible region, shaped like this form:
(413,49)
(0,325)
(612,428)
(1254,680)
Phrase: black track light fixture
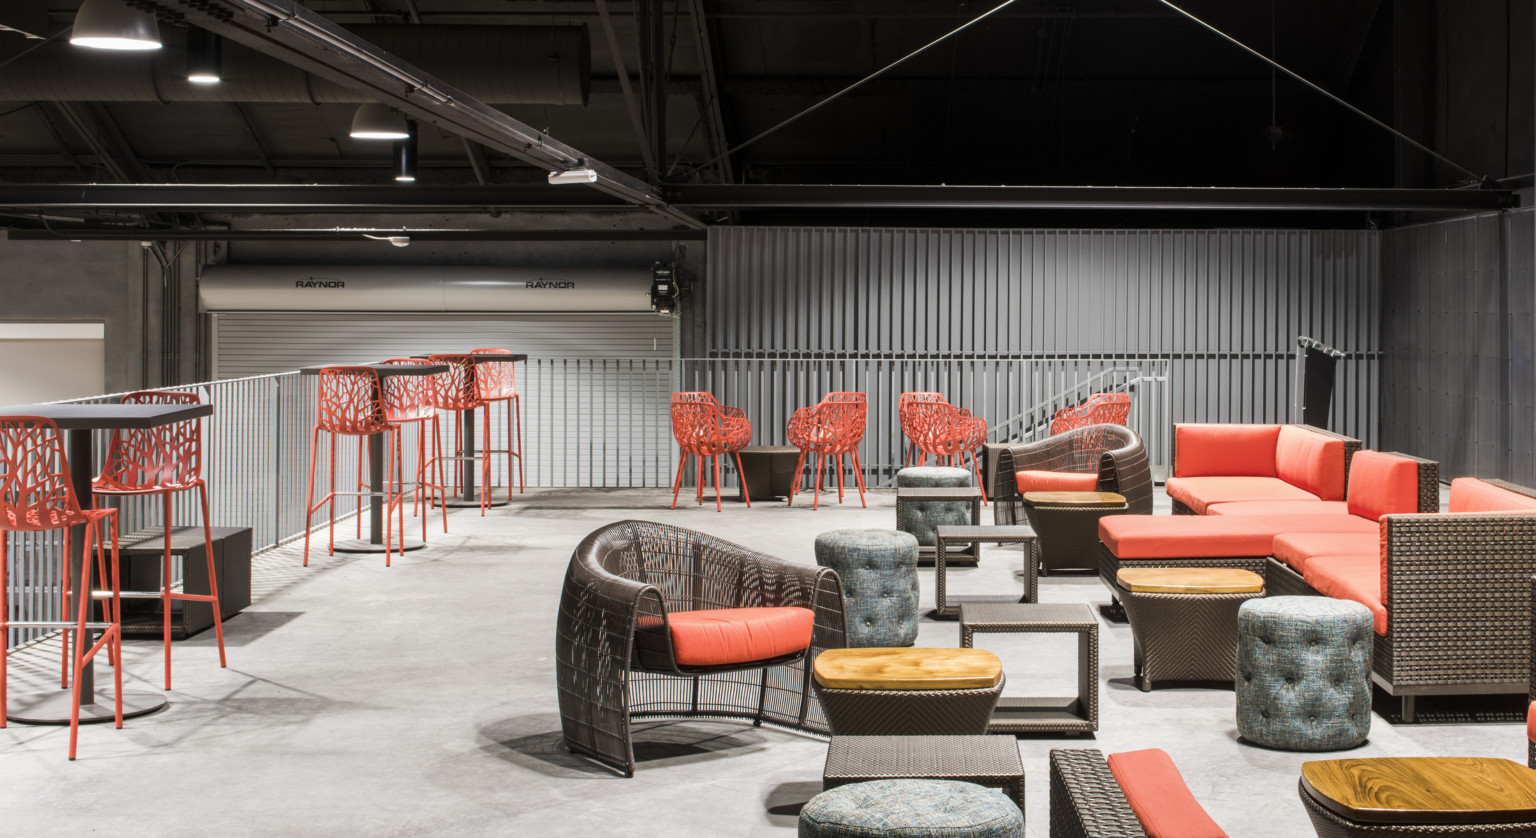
(405,155)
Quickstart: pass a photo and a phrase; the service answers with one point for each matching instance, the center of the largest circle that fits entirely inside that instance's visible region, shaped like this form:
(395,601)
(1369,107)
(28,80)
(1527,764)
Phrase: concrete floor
(419,700)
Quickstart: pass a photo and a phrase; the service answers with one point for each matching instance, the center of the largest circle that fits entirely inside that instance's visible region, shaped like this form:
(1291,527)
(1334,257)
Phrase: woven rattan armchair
(1086,800)
(1115,452)
(613,650)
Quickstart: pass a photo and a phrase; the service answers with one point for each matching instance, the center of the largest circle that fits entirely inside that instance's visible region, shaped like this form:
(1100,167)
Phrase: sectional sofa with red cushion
(1227,463)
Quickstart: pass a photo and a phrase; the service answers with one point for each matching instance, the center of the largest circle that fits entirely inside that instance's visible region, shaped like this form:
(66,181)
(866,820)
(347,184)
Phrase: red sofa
(1227,463)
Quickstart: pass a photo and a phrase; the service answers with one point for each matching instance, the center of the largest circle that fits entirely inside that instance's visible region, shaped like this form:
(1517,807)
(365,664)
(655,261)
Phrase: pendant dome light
(374,121)
(112,24)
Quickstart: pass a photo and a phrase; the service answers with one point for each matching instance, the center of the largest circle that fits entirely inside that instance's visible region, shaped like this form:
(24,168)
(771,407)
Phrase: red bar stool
(351,403)
(497,381)
(412,400)
(832,428)
(163,461)
(36,495)
(456,392)
(705,429)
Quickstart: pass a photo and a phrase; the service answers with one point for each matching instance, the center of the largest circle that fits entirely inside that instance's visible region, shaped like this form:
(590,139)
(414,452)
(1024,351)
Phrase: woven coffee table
(1184,620)
(768,471)
(991,761)
(909,494)
(1405,796)
(1042,714)
(944,536)
(910,691)
(1068,526)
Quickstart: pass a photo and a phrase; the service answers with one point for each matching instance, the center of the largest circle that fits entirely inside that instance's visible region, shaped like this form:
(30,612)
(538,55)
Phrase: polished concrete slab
(419,700)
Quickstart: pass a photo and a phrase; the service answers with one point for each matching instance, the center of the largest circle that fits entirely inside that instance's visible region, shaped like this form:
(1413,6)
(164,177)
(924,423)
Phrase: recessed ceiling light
(111,24)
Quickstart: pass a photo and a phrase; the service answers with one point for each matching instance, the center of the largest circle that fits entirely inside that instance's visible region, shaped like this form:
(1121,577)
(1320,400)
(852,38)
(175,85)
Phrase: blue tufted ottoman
(1304,673)
(911,809)
(879,573)
(921,517)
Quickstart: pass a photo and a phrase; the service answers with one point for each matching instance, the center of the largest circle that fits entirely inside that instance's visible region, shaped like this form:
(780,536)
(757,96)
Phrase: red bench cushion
(1311,461)
(1279,507)
(1350,577)
(1224,450)
(1297,548)
(1198,493)
(724,636)
(1210,536)
(1159,797)
(1056,481)
(1382,484)
(1530,722)
(1468,494)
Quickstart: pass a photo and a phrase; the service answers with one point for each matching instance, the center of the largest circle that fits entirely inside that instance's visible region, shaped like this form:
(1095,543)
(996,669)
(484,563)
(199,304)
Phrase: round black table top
(78,417)
(384,370)
(481,357)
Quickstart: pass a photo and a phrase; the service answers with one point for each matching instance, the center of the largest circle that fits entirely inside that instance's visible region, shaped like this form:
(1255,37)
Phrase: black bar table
(377,506)
(79,423)
(467,496)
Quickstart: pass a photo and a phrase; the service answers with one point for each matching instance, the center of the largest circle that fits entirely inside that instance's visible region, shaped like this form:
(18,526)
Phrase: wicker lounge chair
(615,659)
(1113,452)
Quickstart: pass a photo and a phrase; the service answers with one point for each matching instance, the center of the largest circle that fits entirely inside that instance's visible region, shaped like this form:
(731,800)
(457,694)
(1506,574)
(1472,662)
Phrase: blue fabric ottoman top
(911,809)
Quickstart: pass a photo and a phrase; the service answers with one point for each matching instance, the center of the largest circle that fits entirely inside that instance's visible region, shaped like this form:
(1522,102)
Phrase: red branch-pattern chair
(832,428)
(704,428)
(163,461)
(351,403)
(1099,409)
(497,381)
(412,399)
(939,428)
(37,495)
(456,392)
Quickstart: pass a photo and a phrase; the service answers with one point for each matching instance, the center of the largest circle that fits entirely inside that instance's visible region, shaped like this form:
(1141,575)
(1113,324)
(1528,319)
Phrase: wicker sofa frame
(1459,604)
(614,658)
(1086,800)
(1114,451)
(1351,445)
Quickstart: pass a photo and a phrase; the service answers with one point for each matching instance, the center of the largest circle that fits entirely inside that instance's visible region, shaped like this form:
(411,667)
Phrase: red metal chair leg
(5,626)
(677,483)
(976,470)
(742,476)
(839,458)
(820,470)
(362,454)
(858,476)
(522,472)
(794,486)
(331,530)
(309,496)
(64,602)
(165,590)
(82,609)
(699,480)
(213,579)
(716,460)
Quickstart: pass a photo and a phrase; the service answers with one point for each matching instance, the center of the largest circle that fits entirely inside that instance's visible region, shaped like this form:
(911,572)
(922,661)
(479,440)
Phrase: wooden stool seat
(1074,498)
(917,668)
(1423,790)
(1189,580)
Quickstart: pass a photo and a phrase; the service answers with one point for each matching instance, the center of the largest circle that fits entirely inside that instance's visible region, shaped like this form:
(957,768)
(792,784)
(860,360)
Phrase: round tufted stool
(923,516)
(879,573)
(1304,673)
(911,809)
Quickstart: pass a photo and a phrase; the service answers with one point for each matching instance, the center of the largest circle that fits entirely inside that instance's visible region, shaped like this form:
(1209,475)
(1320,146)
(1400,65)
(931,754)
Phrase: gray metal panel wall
(1225,306)
(1458,315)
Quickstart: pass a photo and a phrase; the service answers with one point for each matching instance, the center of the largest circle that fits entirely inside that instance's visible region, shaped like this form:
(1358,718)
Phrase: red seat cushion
(1356,578)
(1224,450)
(1211,536)
(1468,494)
(1530,722)
(1056,481)
(1311,461)
(1279,507)
(724,636)
(1296,548)
(1159,797)
(1198,493)
(1382,484)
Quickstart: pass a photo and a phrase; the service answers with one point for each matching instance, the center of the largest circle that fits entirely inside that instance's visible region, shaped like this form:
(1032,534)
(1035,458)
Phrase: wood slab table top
(81,417)
(1189,580)
(1074,498)
(915,668)
(1423,790)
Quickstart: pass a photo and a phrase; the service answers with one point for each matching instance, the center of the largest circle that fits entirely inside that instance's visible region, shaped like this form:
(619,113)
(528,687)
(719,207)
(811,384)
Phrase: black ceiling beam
(799,196)
(304,198)
(65,232)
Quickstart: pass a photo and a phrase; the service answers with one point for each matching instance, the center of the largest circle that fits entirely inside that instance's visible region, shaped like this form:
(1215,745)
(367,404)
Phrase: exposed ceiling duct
(423,288)
(499,65)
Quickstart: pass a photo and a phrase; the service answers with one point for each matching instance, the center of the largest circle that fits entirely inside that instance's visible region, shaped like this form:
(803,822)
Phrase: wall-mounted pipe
(499,65)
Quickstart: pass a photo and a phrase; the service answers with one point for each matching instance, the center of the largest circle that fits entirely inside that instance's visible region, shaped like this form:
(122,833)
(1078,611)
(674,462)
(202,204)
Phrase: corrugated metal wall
(1458,316)
(1224,307)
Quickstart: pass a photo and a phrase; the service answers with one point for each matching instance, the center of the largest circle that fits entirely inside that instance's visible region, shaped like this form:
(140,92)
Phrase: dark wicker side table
(912,691)
(1184,620)
(769,470)
(926,556)
(943,536)
(1036,714)
(1068,526)
(1395,797)
(991,761)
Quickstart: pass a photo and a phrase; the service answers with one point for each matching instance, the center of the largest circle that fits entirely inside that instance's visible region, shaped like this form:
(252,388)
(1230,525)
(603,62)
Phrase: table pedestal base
(53,708)
(357,545)
(459,502)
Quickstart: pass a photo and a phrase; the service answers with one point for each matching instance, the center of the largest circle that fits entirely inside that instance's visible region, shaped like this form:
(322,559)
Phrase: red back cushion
(1311,461)
(1468,494)
(1158,796)
(1056,481)
(1382,484)
(1224,450)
